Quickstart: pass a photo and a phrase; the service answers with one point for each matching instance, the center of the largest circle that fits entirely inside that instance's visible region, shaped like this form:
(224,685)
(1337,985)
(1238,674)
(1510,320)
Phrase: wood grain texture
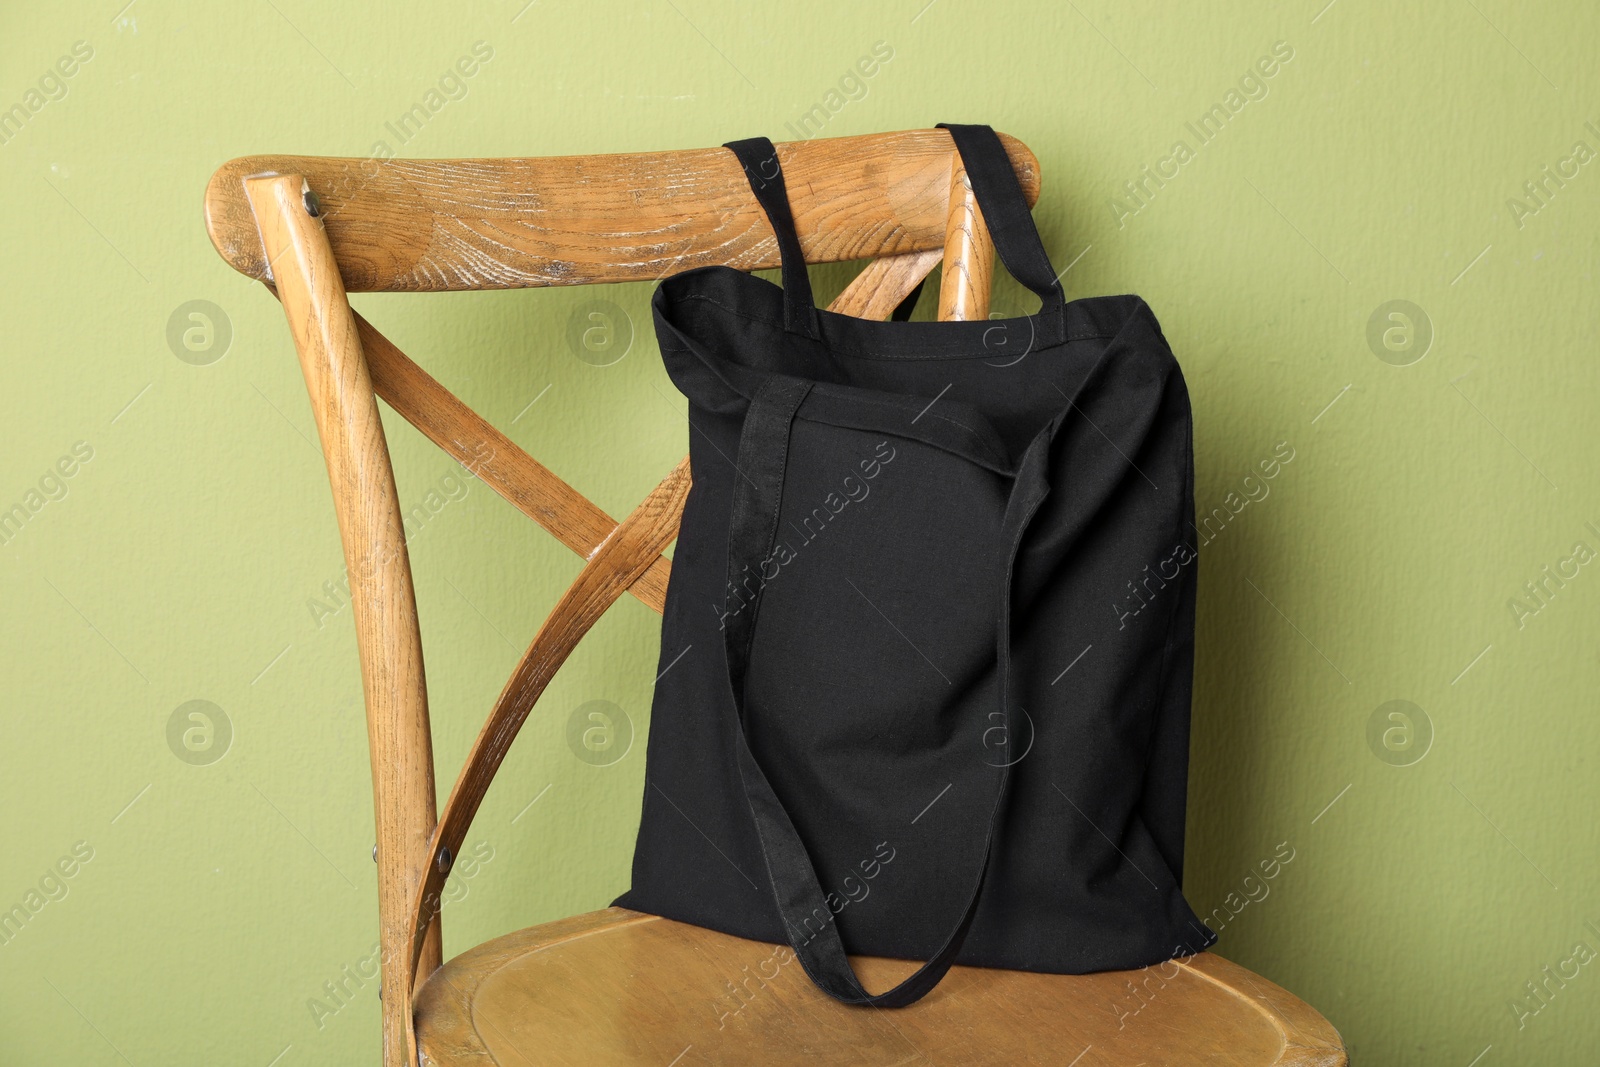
(965,286)
(618,987)
(615,986)
(435,225)
(532,487)
(383,602)
(334,341)
(496,459)
(619,561)
(883,283)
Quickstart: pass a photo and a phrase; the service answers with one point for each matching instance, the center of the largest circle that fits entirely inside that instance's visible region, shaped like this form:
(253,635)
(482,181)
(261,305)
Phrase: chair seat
(620,987)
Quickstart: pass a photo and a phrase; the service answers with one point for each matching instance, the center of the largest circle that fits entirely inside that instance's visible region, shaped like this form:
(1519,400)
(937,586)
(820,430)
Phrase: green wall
(185,557)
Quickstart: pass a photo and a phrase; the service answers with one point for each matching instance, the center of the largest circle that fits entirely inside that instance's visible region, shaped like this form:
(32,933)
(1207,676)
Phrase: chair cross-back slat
(497,460)
(624,556)
(532,487)
(879,288)
(480,224)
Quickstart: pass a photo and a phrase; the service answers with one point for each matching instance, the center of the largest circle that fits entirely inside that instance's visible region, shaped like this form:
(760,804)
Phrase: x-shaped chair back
(315,229)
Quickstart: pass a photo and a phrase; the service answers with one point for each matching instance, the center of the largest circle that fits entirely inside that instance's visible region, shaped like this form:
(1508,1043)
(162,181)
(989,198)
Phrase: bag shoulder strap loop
(760,161)
(994,184)
(801,904)
(1005,210)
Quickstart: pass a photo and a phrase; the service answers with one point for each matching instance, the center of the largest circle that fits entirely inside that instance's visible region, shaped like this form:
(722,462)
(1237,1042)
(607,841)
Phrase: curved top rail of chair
(440,225)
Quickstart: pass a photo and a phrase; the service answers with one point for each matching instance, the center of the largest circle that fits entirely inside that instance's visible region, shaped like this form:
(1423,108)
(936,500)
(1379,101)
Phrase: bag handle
(761,462)
(994,185)
(1005,210)
(760,161)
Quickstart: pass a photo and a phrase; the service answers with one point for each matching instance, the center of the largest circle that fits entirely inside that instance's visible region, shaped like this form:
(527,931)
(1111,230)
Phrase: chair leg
(307,280)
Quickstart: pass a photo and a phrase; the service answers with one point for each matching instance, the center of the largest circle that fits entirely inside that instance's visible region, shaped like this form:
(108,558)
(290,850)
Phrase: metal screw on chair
(374,853)
(313,205)
(444,860)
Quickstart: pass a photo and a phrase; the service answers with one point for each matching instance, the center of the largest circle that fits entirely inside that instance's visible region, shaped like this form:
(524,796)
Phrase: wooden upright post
(303,270)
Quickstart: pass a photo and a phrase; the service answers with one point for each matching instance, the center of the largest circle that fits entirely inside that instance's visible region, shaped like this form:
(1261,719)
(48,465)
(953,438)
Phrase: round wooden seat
(619,987)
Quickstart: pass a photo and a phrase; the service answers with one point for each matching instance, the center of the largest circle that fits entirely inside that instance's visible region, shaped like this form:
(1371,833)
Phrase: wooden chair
(615,986)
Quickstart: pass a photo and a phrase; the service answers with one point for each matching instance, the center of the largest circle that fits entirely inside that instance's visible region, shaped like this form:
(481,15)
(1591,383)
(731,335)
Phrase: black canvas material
(928,642)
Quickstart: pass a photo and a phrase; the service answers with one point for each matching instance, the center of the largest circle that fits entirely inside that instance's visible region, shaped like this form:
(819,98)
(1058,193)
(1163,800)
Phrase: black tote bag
(928,642)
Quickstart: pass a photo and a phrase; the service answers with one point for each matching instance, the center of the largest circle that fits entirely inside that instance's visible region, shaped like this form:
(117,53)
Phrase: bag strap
(1005,211)
(801,902)
(902,313)
(994,185)
(760,161)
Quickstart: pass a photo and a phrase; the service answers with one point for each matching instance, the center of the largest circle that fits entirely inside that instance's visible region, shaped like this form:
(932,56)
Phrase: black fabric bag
(928,642)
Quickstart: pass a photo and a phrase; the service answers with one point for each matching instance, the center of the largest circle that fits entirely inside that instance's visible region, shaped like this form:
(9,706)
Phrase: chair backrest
(314,229)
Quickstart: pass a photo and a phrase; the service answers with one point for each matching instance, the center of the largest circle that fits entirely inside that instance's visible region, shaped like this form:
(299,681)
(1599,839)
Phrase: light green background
(180,562)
